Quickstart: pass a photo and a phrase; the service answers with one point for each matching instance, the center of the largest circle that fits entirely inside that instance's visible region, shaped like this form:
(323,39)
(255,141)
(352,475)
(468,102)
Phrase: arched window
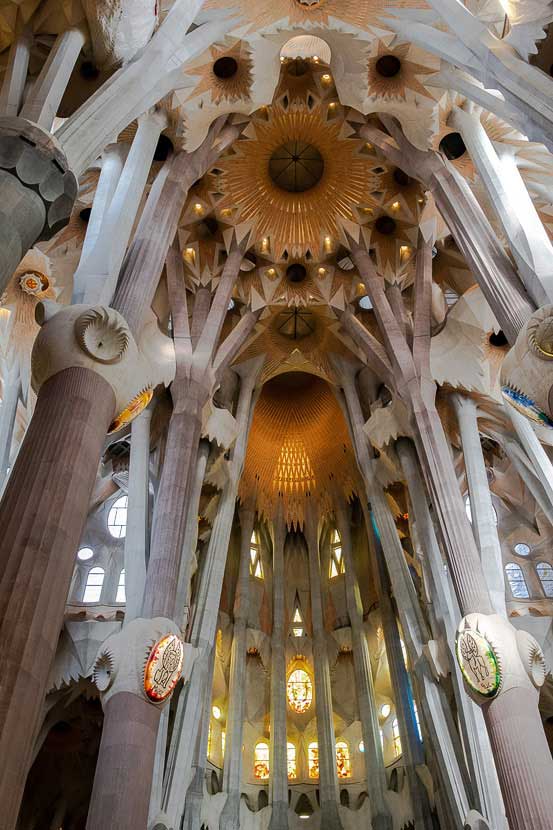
(545,573)
(343,764)
(336,558)
(300,691)
(298,629)
(385,710)
(291,760)
(256,568)
(361,746)
(396,739)
(261,760)
(313,759)
(517,583)
(121,596)
(223,742)
(85,553)
(522,549)
(381,739)
(93,587)
(117,517)
(209,741)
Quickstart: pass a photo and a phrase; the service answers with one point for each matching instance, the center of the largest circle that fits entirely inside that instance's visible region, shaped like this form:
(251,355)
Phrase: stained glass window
(209,741)
(336,558)
(84,554)
(223,741)
(521,549)
(396,738)
(261,760)
(517,583)
(297,623)
(256,568)
(291,760)
(121,596)
(117,518)
(545,573)
(313,759)
(300,691)
(343,764)
(93,587)
(417,720)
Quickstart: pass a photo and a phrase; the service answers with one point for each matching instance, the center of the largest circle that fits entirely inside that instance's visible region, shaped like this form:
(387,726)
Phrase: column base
(330,818)
(279,816)
(230,815)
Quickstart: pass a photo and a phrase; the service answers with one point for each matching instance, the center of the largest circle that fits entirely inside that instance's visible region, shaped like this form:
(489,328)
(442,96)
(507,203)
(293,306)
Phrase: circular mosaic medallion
(478,662)
(163,668)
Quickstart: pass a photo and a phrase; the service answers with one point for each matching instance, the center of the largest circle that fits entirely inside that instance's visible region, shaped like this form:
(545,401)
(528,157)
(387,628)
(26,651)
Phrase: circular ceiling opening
(401,178)
(296,166)
(296,272)
(385,225)
(388,66)
(225,68)
(453,146)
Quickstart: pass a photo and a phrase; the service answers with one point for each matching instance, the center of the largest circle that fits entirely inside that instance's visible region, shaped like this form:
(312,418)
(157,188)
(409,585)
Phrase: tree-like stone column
(8,412)
(484,521)
(232,769)
(278,758)
(374,761)
(328,776)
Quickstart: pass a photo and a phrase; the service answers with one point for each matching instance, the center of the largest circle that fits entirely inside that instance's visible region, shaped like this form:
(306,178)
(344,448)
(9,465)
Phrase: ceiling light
(216,712)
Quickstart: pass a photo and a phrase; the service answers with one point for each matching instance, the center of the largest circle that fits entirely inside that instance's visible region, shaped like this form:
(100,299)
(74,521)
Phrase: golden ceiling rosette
(297,223)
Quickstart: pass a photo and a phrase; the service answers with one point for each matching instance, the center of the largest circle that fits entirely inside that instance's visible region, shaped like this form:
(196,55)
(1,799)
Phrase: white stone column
(278,757)
(368,714)
(138,525)
(232,769)
(484,522)
(13,86)
(47,91)
(97,276)
(328,776)
(8,411)
(543,467)
(529,243)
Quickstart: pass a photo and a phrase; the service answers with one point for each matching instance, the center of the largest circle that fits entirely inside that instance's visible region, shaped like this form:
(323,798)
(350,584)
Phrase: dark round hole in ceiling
(498,339)
(225,68)
(296,272)
(85,214)
(453,146)
(297,67)
(89,71)
(164,148)
(401,178)
(296,166)
(388,66)
(385,225)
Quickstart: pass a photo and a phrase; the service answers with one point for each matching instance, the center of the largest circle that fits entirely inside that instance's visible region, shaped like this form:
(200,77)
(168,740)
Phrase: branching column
(138,525)
(484,522)
(328,776)
(374,761)
(232,770)
(278,761)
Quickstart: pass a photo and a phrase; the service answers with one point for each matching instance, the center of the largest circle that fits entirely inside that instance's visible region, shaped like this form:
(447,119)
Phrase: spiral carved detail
(540,332)
(102,335)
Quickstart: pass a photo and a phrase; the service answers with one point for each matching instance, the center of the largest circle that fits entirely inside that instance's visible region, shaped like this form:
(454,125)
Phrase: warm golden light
(216,712)
(198,208)
(322,272)
(395,205)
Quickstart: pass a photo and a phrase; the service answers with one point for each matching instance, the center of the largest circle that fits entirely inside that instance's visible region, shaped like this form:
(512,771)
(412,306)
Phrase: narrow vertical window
(223,742)
(517,583)
(545,573)
(336,557)
(343,764)
(291,760)
(93,587)
(117,518)
(396,739)
(313,759)
(256,568)
(261,760)
(121,596)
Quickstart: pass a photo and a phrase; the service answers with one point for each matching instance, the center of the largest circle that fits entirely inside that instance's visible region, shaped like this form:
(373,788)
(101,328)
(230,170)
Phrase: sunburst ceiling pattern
(299,445)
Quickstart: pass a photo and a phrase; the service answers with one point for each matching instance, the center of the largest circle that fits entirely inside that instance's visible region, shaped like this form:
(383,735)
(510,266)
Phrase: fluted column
(232,770)
(328,776)
(478,751)
(484,523)
(278,757)
(374,761)
(8,411)
(138,525)
(42,515)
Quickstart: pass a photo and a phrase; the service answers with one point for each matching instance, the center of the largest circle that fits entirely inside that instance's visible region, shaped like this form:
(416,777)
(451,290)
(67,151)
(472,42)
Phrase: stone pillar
(97,275)
(484,523)
(374,761)
(328,777)
(543,468)
(278,758)
(47,91)
(8,411)
(411,742)
(528,241)
(42,515)
(478,751)
(37,191)
(13,86)
(232,770)
(138,521)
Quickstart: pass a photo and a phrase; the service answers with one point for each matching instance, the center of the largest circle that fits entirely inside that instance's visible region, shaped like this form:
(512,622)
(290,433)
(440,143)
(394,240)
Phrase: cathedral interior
(276,415)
